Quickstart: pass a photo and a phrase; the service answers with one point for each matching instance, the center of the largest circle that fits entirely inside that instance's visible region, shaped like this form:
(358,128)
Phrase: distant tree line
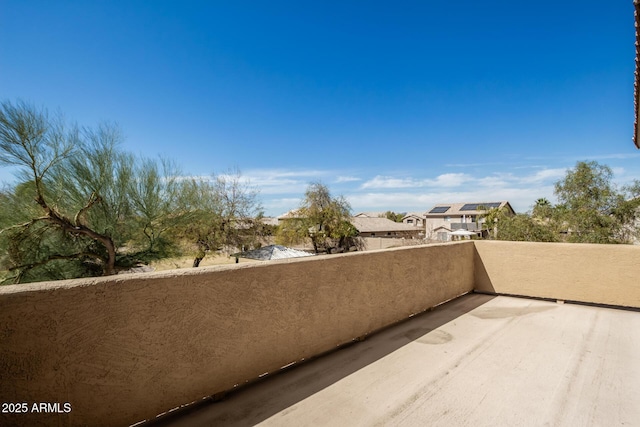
(590,209)
(393,216)
(83,206)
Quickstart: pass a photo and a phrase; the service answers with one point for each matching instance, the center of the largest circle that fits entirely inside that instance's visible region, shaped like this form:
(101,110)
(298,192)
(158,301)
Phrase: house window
(447,218)
(409,221)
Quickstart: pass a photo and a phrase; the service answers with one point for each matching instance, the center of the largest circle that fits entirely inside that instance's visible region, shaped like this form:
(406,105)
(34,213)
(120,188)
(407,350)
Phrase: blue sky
(395,105)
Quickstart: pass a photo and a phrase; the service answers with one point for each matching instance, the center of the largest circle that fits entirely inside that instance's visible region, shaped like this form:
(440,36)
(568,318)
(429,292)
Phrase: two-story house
(444,218)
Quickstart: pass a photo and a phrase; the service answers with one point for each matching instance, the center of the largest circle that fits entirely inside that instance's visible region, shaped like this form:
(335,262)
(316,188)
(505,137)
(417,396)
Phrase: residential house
(370,215)
(414,218)
(383,227)
(448,217)
(290,215)
(269,220)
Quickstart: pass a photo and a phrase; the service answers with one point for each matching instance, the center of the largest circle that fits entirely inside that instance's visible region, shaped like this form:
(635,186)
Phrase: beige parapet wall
(601,274)
(122,349)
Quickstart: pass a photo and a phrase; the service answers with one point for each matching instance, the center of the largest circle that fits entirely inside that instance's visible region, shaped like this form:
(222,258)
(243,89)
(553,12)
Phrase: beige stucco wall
(126,348)
(373,243)
(602,274)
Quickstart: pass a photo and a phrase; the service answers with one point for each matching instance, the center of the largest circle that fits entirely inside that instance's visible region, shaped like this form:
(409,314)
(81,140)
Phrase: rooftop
(370,214)
(467,208)
(368,225)
(478,360)
(270,252)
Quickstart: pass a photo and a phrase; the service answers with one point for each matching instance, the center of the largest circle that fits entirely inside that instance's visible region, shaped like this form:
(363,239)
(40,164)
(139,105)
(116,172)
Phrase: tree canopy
(590,209)
(321,218)
(85,207)
(224,215)
(393,216)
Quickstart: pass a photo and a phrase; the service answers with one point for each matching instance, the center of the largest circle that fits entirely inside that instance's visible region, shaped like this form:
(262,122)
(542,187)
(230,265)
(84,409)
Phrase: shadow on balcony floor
(257,402)
(478,361)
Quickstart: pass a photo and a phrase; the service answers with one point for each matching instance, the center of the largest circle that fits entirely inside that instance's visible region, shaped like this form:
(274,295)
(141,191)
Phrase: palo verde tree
(157,206)
(224,214)
(82,207)
(239,209)
(54,226)
(323,219)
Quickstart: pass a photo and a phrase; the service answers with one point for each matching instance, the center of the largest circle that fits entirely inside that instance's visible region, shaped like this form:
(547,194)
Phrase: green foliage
(395,217)
(542,209)
(156,207)
(491,219)
(84,207)
(590,210)
(291,232)
(587,204)
(40,235)
(224,214)
(322,219)
(522,227)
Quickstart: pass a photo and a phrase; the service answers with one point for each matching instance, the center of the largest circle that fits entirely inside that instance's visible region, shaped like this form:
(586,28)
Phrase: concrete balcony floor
(478,360)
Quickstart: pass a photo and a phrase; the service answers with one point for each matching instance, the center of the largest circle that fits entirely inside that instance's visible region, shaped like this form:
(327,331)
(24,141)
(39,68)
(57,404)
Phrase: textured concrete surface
(603,274)
(123,349)
(477,361)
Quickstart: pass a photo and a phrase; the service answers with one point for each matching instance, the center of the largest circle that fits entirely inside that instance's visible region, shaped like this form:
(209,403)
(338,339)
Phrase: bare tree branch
(93,199)
(26,224)
(22,269)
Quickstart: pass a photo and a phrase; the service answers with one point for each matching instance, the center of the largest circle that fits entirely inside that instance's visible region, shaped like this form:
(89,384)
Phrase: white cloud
(398,202)
(544,175)
(493,181)
(282,190)
(444,180)
(471,165)
(347,179)
(449,180)
(389,182)
(420,194)
(278,206)
(278,175)
(278,181)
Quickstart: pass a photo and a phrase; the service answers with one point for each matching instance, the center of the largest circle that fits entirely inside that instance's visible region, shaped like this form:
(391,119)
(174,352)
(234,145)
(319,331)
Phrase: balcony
(424,335)
(470,226)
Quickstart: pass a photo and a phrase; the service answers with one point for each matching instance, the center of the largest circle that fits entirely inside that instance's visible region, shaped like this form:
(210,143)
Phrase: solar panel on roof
(440,209)
(474,206)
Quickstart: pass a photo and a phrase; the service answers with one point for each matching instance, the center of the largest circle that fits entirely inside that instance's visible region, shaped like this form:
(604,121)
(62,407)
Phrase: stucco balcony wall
(126,348)
(600,274)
